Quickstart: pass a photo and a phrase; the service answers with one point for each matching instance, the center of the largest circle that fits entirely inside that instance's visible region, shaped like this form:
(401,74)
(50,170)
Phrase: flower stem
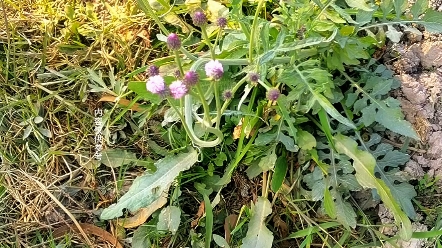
(253,32)
(209,44)
(178,62)
(182,120)
(205,105)
(218,105)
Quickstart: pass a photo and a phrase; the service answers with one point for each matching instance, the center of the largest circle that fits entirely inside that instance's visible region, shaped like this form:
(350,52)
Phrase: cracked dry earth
(418,65)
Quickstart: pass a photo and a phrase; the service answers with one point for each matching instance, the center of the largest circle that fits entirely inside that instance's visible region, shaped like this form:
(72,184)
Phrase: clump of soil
(421,75)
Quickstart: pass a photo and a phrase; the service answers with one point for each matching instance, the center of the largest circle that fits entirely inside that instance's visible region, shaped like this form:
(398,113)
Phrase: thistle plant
(293,92)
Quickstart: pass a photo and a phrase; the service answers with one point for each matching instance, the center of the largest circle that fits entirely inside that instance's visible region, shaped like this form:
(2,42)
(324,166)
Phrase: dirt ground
(417,62)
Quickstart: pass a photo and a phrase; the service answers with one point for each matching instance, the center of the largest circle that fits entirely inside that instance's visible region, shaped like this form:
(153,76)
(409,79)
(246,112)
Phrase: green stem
(207,40)
(205,105)
(178,62)
(182,120)
(264,85)
(218,36)
(391,23)
(218,105)
(254,27)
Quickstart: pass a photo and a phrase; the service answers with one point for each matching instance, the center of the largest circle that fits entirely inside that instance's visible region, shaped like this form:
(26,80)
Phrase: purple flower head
(191,78)
(199,19)
(227,95)
(156,85)
(153,70)
(177,89)
(221,22)
(173,42)
(253,77)
(214,69)
(273,94)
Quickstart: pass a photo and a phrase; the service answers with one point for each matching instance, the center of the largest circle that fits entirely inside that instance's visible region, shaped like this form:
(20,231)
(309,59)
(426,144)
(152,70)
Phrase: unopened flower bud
(191,78)
(153,70)
(227,95)
(273,94)
(199,19)
(173,42)
(221,22)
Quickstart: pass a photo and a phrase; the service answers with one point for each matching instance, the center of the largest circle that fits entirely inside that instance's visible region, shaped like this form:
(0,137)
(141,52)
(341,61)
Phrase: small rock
(435,143)
(431,54)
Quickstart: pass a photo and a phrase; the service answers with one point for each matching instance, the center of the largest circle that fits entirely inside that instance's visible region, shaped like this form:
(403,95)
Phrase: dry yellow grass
(45,45)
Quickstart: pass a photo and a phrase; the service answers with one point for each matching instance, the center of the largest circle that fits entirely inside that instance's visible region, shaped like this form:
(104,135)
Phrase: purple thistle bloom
(227,95)
(178,89)
(273,94)
(173,42)
(191,78)
(199,19)
(253,77)
(221,22)
(214,69)
(153,70)
(156,85)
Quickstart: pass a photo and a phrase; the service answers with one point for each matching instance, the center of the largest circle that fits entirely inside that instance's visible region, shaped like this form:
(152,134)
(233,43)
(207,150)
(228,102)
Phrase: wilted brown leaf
(89,229)
(229,225)
(198,216)
(124,102)
(237,130)
(141,215)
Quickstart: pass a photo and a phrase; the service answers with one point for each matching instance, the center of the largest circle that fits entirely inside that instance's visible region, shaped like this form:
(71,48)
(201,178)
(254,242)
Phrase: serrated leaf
(306,140)
(393,34)
(392,159)
(169,219)
(359,4)
(149,187)
(315,181)
(345,213)
(296,45)
(419,7)
(279,174)
(282,104)
(364,164)
(393,119)
(433,21)
(117,157)
(258,235)
(386,112)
